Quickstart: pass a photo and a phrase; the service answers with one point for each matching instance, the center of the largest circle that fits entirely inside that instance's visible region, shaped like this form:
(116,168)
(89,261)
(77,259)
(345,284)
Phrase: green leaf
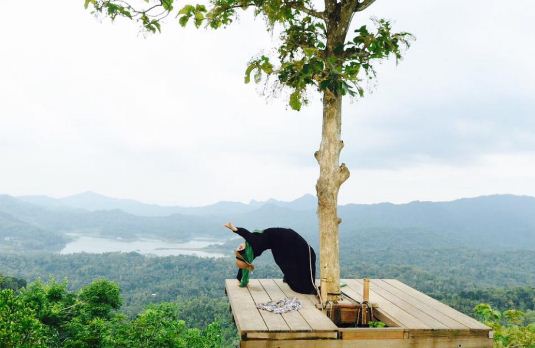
(125,12)
(87,2)
(167,5)
(199,17)
(266,65)
(309,51)
(295,100)
(324,85)
(186,10)
(156,25)
(248,71)
(183,21)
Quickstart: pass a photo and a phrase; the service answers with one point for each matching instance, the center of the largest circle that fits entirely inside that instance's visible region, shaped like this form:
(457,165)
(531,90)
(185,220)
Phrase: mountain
(306,202)
(93,202)
(488,222)
(20,219)
(498,221)
(17,235)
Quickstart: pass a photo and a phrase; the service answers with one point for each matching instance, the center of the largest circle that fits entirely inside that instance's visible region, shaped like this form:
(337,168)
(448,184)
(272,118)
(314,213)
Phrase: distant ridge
(94,202)
(494,221)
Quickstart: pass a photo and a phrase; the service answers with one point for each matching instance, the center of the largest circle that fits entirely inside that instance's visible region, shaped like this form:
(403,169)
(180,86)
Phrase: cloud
(459,133)
(464,90)
(95,106)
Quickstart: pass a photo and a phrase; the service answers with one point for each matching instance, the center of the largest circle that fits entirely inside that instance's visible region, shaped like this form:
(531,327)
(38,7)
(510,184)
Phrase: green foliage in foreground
(11,283)
(461,278)
(49,315)
(511,328)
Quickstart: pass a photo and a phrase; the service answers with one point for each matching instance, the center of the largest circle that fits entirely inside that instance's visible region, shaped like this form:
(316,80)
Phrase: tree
(11,283)
(19,326)
(49,315)
(509,327)
(314,53)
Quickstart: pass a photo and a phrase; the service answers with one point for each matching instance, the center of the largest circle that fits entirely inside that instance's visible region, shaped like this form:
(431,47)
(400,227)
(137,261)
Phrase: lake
(97,245)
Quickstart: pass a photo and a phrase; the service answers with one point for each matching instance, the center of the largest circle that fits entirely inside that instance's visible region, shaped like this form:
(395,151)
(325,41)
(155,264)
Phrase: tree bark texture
(332,175)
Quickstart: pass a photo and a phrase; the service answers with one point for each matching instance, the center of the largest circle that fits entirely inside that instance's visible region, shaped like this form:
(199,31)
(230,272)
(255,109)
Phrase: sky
(89,105)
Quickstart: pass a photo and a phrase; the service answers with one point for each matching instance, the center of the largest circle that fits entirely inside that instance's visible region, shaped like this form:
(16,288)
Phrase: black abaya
(291,253)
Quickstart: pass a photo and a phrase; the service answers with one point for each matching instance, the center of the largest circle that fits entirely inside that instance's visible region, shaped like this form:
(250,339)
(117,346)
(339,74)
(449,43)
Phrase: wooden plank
(373,333)
(424,307)
(244,310)
(292,335)
(406,306)
(317,320)
(447,333)
(274,322)
(473,342)
(378,313)
(395,313)
(294,319)
(447,310)
(397,300)
(291,344)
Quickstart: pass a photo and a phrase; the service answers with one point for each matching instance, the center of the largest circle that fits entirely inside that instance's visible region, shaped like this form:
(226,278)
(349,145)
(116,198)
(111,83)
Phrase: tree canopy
(49,315)
(306,58)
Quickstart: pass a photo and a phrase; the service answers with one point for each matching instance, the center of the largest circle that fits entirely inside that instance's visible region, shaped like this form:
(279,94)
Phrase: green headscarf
(248,255)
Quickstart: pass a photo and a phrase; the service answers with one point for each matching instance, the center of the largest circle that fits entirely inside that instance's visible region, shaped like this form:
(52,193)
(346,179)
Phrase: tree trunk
(332,175)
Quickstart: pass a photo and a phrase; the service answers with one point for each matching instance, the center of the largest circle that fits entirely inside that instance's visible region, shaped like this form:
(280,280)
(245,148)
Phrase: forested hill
(462,252)
(489,222)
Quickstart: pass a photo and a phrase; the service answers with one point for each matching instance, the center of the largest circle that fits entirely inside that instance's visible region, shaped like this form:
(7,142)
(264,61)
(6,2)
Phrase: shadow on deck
(414,319)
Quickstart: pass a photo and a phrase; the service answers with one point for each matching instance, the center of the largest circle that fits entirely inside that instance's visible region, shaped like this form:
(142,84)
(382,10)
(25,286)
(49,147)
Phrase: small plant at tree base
(376,324)
(318,52)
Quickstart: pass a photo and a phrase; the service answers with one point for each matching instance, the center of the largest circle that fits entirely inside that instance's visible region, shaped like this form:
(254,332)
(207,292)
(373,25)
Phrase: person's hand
(231,227)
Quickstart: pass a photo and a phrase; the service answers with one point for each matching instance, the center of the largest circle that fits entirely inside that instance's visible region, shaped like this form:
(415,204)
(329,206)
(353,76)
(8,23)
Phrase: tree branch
(300,7)
(132,9)
(355,53)
(362,5)
(343,173)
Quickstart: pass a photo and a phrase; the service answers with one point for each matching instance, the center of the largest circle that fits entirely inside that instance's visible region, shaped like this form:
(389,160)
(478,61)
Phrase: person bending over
(294,256)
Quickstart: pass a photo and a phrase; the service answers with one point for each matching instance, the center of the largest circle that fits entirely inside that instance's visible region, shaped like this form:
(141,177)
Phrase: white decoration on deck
(281,306)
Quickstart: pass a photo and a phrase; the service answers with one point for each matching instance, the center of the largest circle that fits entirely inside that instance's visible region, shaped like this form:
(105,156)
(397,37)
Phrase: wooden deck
(414,319)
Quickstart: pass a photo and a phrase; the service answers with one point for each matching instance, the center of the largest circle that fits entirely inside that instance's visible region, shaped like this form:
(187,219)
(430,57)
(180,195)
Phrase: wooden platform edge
(436,342)
(255,331)
(403,333)
(254,320)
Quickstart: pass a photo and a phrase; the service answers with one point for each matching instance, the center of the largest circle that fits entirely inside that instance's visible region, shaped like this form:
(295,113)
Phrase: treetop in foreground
(49,315)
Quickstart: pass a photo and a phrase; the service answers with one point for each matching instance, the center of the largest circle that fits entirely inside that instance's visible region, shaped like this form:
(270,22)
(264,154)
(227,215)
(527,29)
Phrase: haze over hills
(94,201)
(495,222)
